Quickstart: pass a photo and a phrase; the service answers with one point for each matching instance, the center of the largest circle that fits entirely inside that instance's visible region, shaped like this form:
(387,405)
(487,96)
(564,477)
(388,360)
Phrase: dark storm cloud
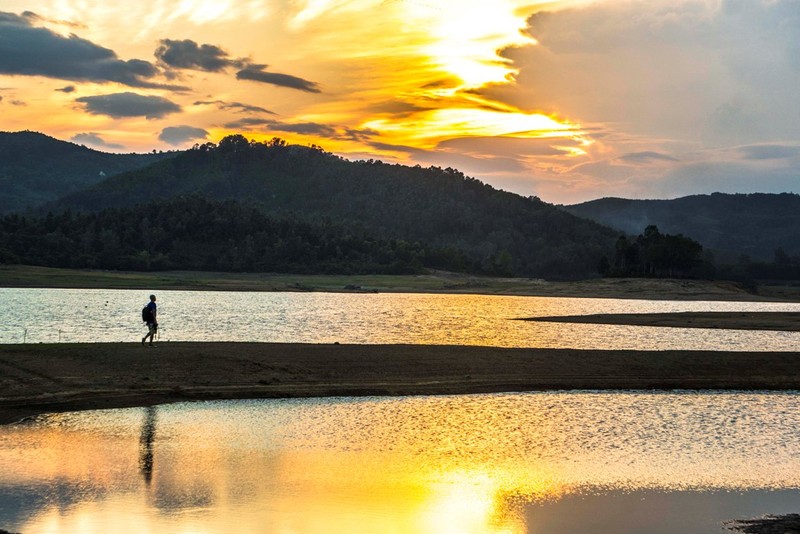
(94,140)
(33,17)
(13,18)
(307,128)
(178,135)
(187,54)
(304,128)
(247,123)
(257,73)
(359,135)
(27,50)
(67,89)
(237,107)
(396,148)
(120,105)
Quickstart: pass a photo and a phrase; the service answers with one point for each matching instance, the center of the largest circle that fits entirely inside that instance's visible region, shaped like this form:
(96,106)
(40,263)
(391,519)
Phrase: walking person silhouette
(150,317)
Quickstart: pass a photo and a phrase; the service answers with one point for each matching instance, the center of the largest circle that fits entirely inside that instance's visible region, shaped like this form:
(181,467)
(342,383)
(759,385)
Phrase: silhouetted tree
(656,254)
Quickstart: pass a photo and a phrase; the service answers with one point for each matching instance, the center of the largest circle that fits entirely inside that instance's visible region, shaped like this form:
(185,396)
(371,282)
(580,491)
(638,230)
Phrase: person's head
(153,298)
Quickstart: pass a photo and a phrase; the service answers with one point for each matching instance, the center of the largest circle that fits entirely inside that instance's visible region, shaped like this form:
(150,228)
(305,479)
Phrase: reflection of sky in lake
(69,315)
(512,463)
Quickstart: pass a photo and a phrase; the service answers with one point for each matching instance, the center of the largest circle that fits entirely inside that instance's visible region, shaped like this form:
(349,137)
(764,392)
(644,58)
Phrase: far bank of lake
(435,282)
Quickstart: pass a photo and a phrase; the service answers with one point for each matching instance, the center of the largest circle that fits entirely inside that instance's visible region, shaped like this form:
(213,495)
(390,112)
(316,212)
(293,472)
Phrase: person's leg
(152,333)
(149,334)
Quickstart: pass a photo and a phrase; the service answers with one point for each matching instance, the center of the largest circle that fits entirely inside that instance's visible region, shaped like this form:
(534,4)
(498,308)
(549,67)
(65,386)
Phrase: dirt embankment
(60,377)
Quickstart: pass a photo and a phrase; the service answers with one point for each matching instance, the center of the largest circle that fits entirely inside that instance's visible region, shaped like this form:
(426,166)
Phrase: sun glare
(203,11)
(468,36)
(409,73)
(459,46)
(430,127)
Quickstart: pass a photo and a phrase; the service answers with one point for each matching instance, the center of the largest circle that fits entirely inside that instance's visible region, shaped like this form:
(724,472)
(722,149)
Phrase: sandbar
(776,321)
(40,378)
(783,524)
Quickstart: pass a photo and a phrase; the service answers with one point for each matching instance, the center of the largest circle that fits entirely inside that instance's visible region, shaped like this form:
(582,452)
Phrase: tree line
(502,232)
(653,254)
(783,267)
(192,233)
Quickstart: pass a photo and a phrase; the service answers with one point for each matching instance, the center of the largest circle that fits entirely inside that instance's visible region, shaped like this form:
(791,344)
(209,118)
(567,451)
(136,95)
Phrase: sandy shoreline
(37,378)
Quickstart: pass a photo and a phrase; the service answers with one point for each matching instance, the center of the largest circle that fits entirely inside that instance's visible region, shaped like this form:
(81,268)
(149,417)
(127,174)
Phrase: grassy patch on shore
(435,282)
(31,276)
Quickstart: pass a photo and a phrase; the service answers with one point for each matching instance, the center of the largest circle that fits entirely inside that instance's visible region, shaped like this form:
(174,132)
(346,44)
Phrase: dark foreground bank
(785,524)
(65,377)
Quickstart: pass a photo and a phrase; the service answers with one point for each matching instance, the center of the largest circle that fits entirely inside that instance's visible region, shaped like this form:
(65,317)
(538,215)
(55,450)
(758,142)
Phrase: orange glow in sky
(386,72)
(609,97)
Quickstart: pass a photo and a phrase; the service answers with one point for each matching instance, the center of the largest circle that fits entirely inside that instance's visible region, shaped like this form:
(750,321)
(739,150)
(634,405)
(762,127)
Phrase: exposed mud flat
(778,321)
(37,378)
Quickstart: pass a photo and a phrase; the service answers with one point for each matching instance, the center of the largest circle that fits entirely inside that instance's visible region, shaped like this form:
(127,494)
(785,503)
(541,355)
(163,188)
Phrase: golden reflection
(470,464)
(470,502)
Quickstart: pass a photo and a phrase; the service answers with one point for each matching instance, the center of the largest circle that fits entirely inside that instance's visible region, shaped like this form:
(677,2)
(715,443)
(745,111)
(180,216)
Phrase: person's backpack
(146,315)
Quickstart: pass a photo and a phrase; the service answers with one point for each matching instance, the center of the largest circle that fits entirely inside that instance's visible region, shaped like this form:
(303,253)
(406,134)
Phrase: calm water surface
(69,315)
(626,462)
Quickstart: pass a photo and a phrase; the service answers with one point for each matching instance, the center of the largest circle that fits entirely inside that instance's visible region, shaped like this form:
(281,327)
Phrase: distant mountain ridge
(503,232)
(754,224)
(36,168)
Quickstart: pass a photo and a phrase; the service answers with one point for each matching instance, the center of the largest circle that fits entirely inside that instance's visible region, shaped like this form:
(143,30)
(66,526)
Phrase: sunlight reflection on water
(69,315)
(480,463)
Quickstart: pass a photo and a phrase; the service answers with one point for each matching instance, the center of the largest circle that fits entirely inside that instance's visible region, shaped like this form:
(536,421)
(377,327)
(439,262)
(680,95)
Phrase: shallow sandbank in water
(67,377)
(777,321)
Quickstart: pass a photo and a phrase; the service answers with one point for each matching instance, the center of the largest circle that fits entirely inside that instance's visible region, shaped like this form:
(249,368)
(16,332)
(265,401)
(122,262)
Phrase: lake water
(627,462)
(70,315)
(544,463)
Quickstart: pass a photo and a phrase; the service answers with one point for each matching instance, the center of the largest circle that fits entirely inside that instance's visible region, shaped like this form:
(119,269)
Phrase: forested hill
(35,168)
(736,224)
(192,233)
(501,231)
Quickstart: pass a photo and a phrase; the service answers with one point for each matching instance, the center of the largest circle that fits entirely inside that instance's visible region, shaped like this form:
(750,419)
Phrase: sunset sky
(566,100)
